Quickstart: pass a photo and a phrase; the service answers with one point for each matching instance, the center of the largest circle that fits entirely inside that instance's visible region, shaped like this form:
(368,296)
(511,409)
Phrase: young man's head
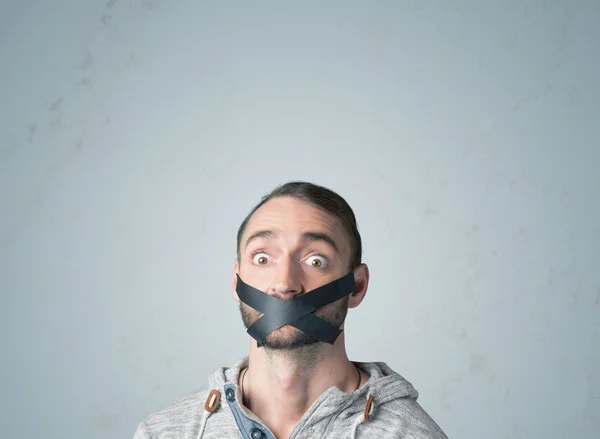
(299,237)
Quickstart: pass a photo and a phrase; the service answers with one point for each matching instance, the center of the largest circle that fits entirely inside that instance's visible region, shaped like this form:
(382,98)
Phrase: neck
(280,386)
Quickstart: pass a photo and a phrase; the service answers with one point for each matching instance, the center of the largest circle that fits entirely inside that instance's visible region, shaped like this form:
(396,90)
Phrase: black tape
(296,312)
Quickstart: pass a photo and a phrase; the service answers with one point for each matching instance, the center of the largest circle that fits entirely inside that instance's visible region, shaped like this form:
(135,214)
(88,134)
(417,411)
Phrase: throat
(289,397)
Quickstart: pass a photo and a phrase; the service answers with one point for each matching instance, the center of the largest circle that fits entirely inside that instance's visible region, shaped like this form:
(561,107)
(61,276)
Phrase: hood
(384,383)
(382,388)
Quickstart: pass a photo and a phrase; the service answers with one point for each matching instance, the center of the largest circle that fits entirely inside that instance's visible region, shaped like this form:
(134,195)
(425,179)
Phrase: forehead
(292,217)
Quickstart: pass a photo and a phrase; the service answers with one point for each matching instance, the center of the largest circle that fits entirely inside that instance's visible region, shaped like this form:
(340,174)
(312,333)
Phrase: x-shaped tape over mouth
(296,312)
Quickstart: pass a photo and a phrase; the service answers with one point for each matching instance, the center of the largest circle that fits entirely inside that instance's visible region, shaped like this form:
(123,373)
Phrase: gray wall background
(135,135)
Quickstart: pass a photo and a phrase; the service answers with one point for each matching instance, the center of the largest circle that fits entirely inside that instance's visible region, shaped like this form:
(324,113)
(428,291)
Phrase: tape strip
(296,312)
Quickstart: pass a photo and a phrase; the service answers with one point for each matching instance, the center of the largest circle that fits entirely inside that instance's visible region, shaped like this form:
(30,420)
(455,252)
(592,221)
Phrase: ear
(361,277)
(236,269)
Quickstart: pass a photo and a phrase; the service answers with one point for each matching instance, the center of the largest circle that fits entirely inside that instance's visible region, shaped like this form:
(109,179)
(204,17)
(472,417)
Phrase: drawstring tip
(369,408)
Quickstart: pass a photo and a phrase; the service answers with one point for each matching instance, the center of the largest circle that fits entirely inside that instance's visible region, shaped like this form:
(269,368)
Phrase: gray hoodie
(385,407)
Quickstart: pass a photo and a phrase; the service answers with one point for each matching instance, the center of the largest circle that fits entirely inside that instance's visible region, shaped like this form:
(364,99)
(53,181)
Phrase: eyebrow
(318,236)
(259,234)
(307,236)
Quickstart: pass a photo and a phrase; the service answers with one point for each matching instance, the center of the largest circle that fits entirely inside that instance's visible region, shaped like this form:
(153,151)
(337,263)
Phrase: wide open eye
(260,258)
(317,261)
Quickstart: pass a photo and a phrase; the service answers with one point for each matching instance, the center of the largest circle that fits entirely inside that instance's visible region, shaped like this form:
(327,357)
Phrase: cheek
(258,277)
(249,314)
(333,308)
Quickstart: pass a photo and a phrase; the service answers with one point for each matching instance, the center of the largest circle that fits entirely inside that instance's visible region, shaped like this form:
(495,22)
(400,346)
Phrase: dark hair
(321,198)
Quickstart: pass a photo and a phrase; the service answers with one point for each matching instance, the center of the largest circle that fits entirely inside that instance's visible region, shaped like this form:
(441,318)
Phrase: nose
(287,280)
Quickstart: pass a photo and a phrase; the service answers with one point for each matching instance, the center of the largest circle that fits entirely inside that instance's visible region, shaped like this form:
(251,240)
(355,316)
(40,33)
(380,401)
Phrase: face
(289,248)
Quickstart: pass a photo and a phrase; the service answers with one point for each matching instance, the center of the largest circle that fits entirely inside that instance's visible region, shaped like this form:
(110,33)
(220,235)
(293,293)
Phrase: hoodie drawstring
(211,404)
(365,416)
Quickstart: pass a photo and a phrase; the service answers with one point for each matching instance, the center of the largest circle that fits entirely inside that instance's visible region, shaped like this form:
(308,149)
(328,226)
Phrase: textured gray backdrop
(135,135)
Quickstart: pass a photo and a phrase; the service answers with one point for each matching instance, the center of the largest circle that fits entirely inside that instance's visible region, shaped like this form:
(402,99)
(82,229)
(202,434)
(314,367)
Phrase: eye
(317,261)
(260,258)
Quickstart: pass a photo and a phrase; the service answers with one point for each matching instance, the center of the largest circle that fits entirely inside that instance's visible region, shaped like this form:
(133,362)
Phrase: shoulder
(406,417)
(174,416)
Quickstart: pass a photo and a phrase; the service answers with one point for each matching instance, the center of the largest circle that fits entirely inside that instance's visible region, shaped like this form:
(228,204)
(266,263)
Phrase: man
(298,265)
